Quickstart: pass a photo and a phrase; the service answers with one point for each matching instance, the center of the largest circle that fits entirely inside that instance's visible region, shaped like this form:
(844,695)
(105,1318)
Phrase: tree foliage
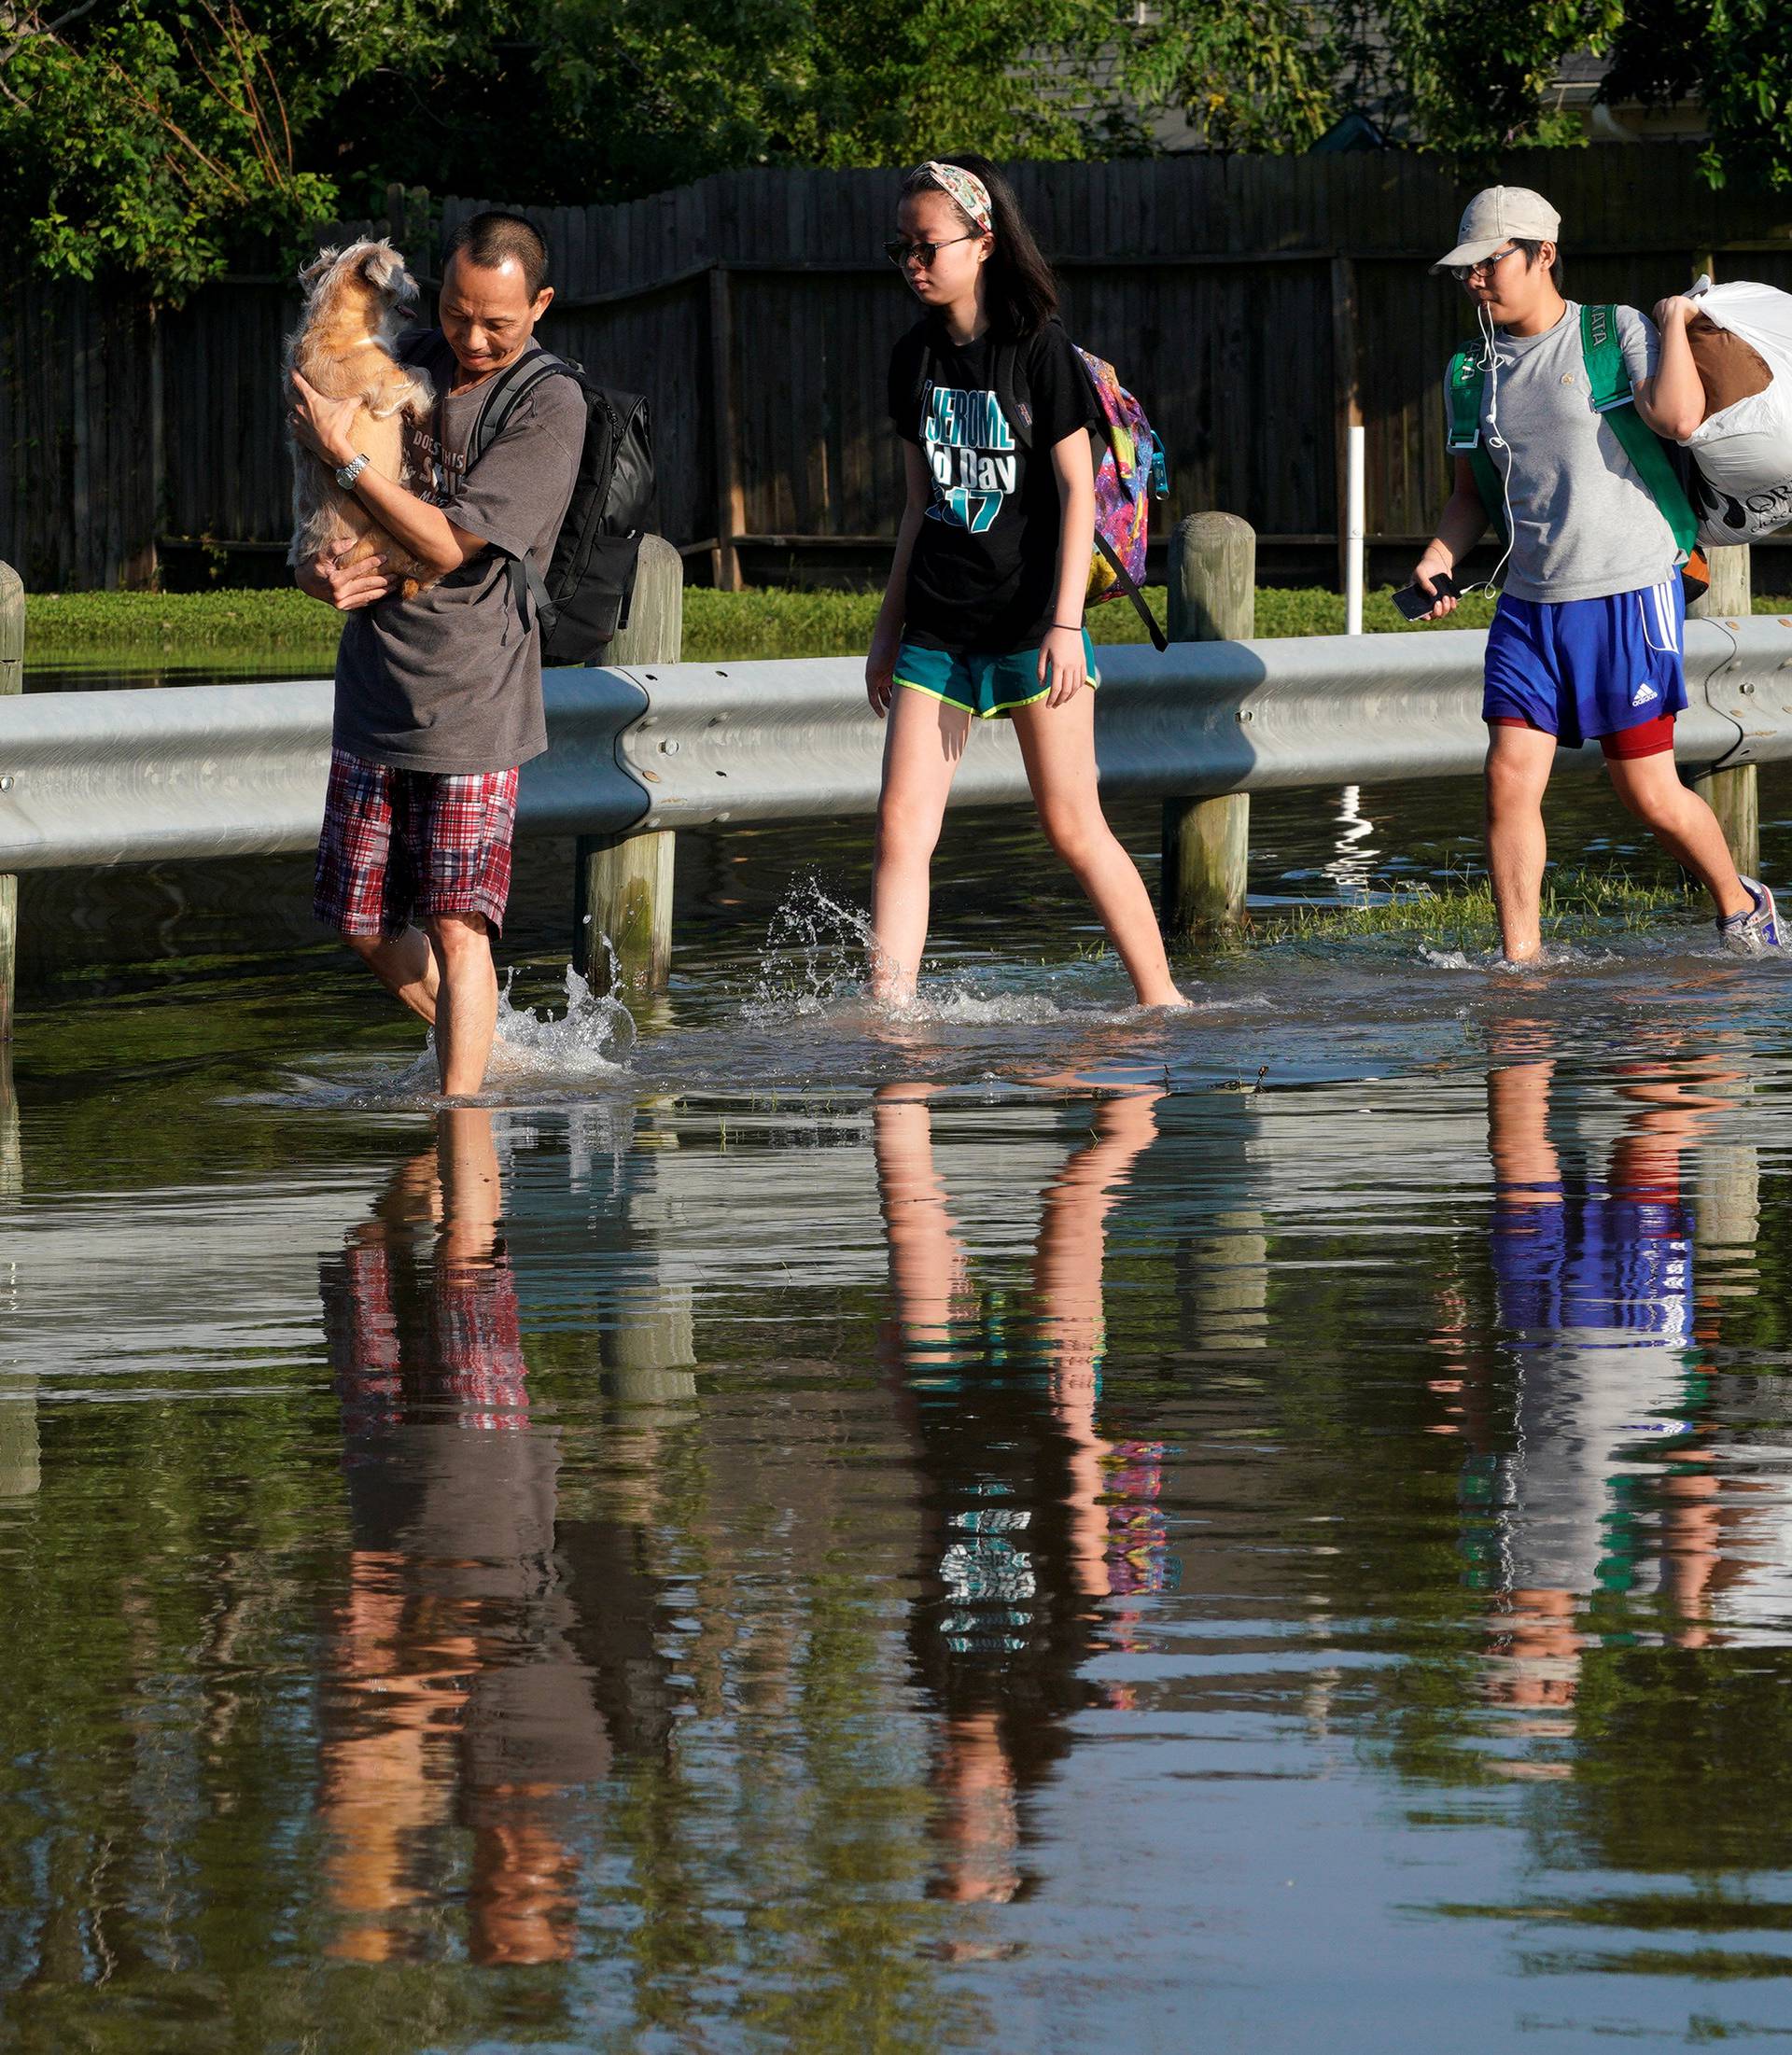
(159,138)
(1270,75)
(1476,80)
(153,140)
(158,135)
(1735,58)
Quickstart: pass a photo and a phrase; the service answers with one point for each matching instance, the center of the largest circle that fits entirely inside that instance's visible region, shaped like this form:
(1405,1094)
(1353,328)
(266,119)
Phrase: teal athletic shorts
(990,687)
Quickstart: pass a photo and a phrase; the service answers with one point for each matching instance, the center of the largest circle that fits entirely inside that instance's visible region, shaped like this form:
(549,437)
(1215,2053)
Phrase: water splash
(957,1003)
(817,956)
(817,960)
(1553,955)
(593,1037)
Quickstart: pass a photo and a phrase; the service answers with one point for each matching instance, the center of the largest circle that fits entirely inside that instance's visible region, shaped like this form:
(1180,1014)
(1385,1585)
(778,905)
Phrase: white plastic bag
(1741,486)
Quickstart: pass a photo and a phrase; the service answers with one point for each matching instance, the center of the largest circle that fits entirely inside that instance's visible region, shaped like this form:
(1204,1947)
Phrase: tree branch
(35,29)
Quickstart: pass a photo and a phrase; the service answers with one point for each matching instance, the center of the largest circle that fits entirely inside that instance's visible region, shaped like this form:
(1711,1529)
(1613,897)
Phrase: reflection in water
(726,1597)
(19,1455)
(1593,1495)
(484,1665)
(1034,1524)
(1354,865)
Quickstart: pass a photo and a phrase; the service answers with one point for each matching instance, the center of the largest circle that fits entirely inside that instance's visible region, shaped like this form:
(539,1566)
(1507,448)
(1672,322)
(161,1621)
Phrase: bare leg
(405,965)
(472,1191)
(1067,1285)
(1682,823)
(921,752)
(929,1273)
(1518,773)
(467,1010)
(1059,745)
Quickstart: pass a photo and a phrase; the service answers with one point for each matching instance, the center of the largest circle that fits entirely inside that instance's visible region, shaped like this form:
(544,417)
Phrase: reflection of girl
(1026,1546)
(982,613)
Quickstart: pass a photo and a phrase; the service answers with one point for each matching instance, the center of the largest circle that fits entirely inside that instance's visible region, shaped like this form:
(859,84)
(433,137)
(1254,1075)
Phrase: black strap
(1012,395)
(509,390)
(1128,584)
(1016,404)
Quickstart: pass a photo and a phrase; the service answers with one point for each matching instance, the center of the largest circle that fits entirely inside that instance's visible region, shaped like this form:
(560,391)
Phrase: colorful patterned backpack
(1129,469)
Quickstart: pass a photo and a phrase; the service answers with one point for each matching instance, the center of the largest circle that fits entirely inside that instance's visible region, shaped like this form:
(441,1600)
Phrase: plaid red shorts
(403,844)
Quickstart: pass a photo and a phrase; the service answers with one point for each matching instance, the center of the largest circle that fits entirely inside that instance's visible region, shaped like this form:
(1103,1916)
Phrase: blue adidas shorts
(1580,670)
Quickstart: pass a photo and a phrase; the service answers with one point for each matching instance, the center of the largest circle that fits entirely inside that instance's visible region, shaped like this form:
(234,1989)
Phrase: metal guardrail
(237,770)
(761,741)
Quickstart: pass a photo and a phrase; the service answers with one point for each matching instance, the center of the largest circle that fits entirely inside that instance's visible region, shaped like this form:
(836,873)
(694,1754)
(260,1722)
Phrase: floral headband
(964,188)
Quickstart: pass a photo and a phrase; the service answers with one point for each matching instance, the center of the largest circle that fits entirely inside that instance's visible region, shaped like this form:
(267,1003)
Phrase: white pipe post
(1354,536)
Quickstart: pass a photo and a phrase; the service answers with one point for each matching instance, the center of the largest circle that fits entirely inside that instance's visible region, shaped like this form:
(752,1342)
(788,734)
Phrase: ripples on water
(1028,1524)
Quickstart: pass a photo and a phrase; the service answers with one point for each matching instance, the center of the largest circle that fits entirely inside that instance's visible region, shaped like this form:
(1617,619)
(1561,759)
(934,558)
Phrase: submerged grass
(1461,914)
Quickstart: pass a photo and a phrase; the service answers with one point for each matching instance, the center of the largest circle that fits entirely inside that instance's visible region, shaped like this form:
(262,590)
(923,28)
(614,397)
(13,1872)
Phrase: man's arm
(323,426)
(1673,399)
(1463,524)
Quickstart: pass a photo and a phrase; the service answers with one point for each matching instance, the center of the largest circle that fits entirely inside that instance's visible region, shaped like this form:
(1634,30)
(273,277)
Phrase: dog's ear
(383,268)
(310,274)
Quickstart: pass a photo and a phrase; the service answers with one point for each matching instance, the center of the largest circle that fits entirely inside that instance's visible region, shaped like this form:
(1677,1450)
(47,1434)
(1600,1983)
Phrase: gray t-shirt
(451,681)
(1583,523)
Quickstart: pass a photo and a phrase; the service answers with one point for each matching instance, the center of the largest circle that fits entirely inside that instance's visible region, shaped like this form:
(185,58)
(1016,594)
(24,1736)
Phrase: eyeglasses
(1462,274)
(899,251)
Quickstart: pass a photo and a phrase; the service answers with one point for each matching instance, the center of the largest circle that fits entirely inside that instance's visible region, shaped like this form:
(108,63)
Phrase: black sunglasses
(899,251)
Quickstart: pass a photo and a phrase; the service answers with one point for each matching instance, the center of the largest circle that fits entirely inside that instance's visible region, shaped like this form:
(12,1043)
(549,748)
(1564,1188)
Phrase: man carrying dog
(1585,642)
(439,697)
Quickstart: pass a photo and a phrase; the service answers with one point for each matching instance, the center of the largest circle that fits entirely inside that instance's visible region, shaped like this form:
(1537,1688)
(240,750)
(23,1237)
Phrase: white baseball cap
(1500,214)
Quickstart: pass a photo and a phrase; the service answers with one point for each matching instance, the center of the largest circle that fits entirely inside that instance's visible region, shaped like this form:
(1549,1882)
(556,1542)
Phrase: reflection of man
(1593,1281)
(473,1668)
(1022,1548)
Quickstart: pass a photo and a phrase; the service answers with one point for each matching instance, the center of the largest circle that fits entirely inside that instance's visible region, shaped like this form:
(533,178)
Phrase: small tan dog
(354,300)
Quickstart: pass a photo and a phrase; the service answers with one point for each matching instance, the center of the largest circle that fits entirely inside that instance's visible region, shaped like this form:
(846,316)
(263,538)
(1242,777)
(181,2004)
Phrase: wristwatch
(351,470)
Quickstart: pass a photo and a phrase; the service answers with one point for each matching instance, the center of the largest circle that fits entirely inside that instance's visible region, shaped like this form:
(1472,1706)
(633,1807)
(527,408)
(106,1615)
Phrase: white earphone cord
(1491,364)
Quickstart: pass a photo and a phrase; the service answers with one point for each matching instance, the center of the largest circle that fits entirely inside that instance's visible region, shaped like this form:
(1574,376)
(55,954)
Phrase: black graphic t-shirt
(983,575)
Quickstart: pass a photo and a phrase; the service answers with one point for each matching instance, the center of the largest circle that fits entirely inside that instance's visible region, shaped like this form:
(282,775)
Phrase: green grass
(142,629)
(1462,915)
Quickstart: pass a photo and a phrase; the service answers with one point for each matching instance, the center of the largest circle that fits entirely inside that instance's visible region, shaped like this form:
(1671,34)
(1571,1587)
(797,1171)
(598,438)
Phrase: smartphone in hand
(1413,603)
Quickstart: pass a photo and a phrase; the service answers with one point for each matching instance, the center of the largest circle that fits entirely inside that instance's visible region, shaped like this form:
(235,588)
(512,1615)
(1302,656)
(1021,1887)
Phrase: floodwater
(1031,1526)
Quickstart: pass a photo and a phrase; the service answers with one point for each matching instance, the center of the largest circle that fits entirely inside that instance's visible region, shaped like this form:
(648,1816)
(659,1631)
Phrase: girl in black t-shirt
(983,614)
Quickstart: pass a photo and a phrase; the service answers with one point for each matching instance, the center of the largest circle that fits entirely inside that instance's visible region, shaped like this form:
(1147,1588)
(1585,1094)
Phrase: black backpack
(584,598)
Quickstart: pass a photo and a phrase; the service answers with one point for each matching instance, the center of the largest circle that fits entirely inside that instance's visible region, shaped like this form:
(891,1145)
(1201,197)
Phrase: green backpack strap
(1463,386)
(1608,380)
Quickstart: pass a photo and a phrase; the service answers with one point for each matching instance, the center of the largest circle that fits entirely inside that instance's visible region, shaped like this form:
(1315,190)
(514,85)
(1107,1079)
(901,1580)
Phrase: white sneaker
(1756,931)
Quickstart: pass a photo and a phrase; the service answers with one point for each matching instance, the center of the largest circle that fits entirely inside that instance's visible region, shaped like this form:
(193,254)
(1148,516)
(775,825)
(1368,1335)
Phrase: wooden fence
(1256,304)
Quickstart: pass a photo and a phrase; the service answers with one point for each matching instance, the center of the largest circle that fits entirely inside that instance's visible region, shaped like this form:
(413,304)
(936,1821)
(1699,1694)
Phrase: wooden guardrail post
(12,679)
(1207,842)
(624,881)
(1732,795)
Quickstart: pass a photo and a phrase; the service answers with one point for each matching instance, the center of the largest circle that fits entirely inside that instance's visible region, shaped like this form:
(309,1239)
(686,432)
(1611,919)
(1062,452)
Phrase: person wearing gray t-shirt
(1553,414)
(439,697)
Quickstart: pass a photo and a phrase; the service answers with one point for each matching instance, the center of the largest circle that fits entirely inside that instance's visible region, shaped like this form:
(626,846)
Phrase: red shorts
(1647,738)
(403,844)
